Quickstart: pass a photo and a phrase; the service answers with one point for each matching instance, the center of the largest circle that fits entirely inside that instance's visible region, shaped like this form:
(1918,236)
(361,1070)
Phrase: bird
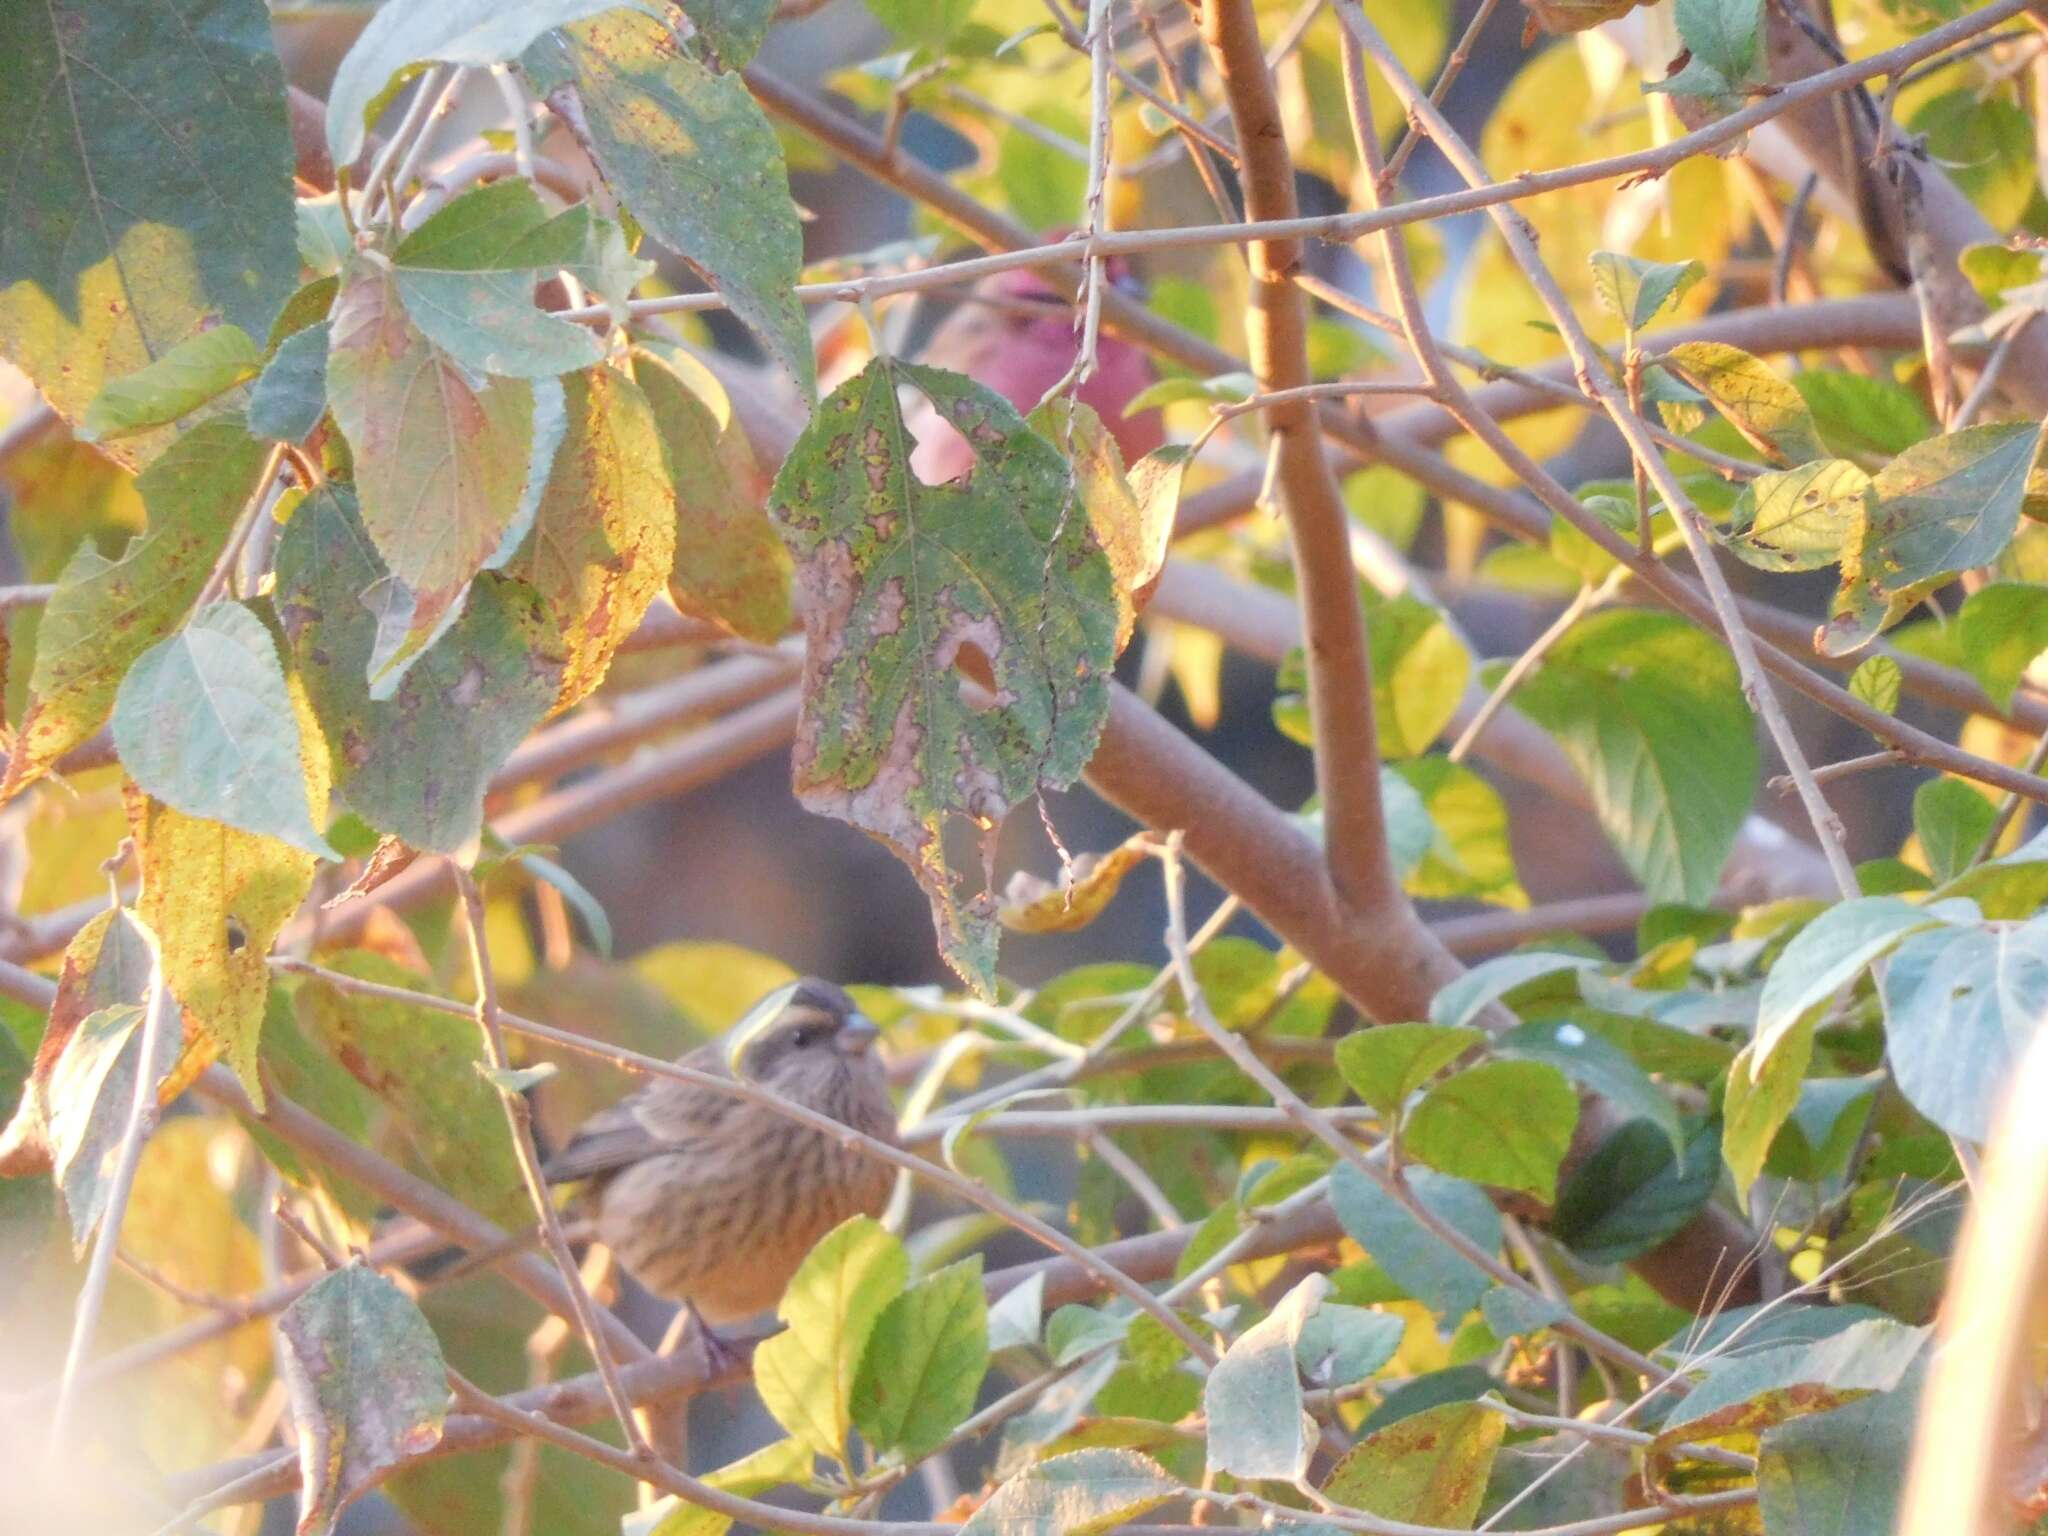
(712,1201)
(1020,342)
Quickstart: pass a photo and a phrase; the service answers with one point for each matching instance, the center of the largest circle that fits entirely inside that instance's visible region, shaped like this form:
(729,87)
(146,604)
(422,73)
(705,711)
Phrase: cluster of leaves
(356,491)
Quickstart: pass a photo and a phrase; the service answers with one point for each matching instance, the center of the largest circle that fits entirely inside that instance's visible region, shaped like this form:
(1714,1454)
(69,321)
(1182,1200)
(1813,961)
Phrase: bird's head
(807,1041)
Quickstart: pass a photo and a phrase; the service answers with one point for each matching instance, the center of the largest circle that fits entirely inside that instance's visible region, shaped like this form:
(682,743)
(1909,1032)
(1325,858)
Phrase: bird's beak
(857,1034)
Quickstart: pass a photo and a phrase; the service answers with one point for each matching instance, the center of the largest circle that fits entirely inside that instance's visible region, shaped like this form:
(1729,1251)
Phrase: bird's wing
(609,1140)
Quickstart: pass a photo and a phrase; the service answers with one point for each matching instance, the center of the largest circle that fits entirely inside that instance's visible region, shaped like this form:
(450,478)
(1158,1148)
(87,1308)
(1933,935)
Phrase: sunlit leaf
(1800,519)
(1505,1123)
(1748,1389)
(786,1461)
(1469,855)
(1825,956)
(1763,1090)
(150,192)
(467,277)
(1386,1064)
(1637,290)
(1032,904)
(730,566)
(1652,714)
(1876,679)
(1951,819)
(444,470)
(414,765)
(1084,1493)
(1753,398)
(806,1373)
(1597,1066)
(367,1387)
(1947,504)
(1428,1469)
(204,722)
(1865,416)
(2002,629)
(903,581)
(1253,1396)
(690,154)
(180,381)
(1961,1005)
(924,1362)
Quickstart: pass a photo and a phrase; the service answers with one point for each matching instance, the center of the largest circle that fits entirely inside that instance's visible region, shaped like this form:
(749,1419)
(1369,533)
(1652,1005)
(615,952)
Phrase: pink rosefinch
(1020,348)
(712,1201)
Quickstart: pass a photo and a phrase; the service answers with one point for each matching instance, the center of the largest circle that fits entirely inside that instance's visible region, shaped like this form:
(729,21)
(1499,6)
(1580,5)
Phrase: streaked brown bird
(712,1201)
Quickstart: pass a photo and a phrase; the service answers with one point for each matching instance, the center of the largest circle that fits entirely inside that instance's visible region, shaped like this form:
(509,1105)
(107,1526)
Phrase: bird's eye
(810,1035)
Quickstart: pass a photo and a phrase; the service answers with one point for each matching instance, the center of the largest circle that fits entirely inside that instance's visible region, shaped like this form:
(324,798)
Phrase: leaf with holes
(904,583)
(688,151)
(149,193)
(205,722)
(730,567)
(216,897)
(467,276)
(367,1387)
(604,536)
(1799,519)
(415,765)
(806,1374)
(106,613)
(444,469)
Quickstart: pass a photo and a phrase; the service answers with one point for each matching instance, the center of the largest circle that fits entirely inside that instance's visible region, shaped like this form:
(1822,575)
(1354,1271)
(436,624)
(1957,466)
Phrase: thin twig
(519,1119)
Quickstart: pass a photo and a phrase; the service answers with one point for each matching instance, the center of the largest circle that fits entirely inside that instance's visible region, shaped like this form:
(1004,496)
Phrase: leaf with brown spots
(604,537)
(216,897)
(1428,1469)
(730,566)
(423,1065)
(415,765)
(442,465)
(902,585)
(367,1384)
(106,613)
(1033,904)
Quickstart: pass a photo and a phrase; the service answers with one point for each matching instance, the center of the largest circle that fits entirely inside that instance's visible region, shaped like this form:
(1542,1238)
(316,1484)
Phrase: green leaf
(1415,1258)
(473,32)
(217,897)
(148,198)
(290,395)
(1634,1191)
(91,1095)
(445,470)
(423,1064)
(1597,1066)
(1816,1142)
(1469,856)
(924,1362)
(731,29)
(204,722)
(1961,1005)
(1799,519)
(467,276)
(1867,417)
(1253,1395)
(1651,712)
(105,614)
(922,23)
(1763,1090)
(1749,1390)
(692,156)
(806,1373)
(578,895)
(1512,1313)
(1504,1123)
(1948,504)
(1759,404)
(415,765)
(786,1461)
(1430,1468)
(1419,671)
(180,381)
(1464,999)
(1876,680)
(730,565)
(1839,1473)
(1951,820)
(903,580)
(1723,35)
(2001,630)
(1637,290)
(1387,1063)
(1826,955)
(1985,143)
(603,537)
(1084,1493)
(2013,885)
(1340,1345)
(1223,389)
(366,1384)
